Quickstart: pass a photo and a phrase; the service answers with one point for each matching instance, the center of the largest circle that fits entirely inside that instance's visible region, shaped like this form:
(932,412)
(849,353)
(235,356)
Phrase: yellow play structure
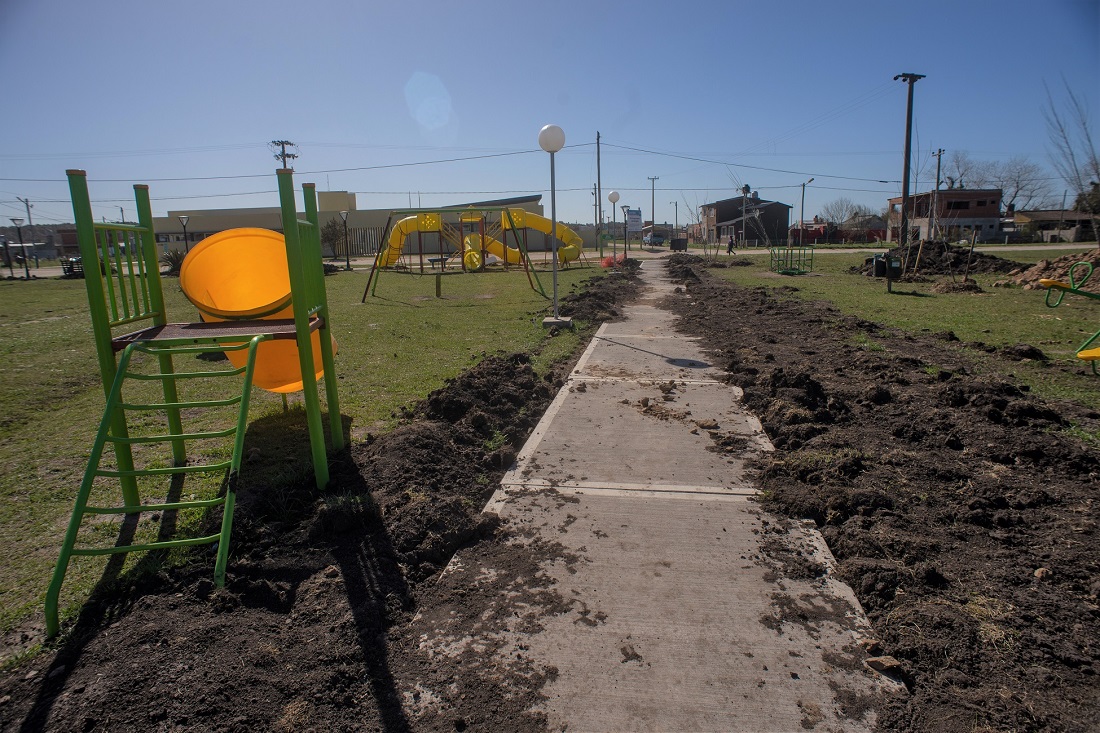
(480,231)
(569,248)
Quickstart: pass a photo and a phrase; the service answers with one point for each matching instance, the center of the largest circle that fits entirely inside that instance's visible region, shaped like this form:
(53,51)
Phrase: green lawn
(393,350)
(998,316)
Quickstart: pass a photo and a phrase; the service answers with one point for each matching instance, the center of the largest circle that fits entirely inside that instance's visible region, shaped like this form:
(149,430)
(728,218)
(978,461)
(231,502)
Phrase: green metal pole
(319,297)
(299,289)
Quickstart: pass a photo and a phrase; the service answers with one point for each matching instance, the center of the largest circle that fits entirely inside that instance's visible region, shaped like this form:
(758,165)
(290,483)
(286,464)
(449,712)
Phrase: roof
(759,203)
(956,193)
(1053,215)
(514,201)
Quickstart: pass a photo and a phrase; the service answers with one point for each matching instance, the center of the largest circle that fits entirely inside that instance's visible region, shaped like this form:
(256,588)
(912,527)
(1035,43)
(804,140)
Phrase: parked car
(654,240)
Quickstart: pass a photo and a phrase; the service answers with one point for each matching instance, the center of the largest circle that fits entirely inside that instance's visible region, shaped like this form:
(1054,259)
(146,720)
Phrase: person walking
(729,249)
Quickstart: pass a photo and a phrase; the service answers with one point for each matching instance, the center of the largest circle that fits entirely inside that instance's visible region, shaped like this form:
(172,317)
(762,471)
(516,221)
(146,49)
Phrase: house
(951,214)
(1055,225)
(750,219)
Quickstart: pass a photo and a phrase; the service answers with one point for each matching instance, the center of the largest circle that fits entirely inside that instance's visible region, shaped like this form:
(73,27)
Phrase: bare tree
(1024,185)
(1073,151)
(964,171)
(838,211)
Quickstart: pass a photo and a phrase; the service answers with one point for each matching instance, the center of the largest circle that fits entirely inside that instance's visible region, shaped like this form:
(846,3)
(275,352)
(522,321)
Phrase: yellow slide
(471,248)
(424,222)
(570,243)
(242,274)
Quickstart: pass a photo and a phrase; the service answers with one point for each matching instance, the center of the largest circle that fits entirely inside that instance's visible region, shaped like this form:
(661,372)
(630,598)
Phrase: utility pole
(599,194)
(283,155)
(936,198)
(652,206)
(596,213)
(909,79)
(30,223)
(744,216)
(676,220)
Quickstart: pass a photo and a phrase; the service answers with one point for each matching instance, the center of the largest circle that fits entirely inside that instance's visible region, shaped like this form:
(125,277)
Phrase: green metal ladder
(122,278)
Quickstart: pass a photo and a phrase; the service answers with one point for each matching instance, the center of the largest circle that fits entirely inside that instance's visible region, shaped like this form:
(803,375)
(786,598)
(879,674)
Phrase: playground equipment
(122,279)
(243,274)
(1091,355)
(480,231)
(791,260)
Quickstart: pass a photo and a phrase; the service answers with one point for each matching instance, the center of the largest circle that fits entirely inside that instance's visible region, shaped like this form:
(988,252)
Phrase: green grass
(393,350)
(998,316)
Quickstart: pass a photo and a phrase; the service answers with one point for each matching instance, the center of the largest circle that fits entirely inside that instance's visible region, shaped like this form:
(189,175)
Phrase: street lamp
(552,139)
(802,214)
(183,220)
(626,231)
(613,197)
(347,250)
(18,222)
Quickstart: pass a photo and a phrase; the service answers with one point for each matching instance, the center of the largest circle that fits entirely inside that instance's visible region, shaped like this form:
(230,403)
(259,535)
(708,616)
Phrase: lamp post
(183,222)
(347,249)
(18,222)
(552,139)
(676,217)
(652,205)
(626,231)
(802,214)
(613,197)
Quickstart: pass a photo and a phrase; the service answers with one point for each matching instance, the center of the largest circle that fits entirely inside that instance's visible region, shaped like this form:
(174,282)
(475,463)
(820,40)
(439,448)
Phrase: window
(981,204)
(957,205)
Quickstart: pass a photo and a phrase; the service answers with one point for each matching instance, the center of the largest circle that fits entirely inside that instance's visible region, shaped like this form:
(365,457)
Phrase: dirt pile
(317,627)
(1059,269)
(958,507)
(940,258)
(602,303)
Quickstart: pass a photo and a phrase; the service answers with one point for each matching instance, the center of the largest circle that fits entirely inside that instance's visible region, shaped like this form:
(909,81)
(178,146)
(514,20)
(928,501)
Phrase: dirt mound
(946,287)
(940,258)
(317,626)
(1028,277)
(956,505)
(601,304)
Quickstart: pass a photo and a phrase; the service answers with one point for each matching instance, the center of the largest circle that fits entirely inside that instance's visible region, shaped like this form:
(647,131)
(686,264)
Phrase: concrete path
(688,610)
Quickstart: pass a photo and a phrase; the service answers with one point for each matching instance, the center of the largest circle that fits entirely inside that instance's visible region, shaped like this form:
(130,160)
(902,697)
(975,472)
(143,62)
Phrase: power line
(744,165)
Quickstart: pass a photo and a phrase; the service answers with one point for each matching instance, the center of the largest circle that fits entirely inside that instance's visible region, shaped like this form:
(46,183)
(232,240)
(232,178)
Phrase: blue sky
(706,95)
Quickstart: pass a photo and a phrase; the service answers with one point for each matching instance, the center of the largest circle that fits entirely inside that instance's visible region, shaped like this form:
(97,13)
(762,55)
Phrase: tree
(962,171)
(838,211)
(332,236)
(1073,149)
(1023,184)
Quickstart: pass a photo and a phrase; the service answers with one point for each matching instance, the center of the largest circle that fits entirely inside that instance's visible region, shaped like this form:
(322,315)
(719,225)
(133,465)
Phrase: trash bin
(878,266)
(678,245)
(893,267)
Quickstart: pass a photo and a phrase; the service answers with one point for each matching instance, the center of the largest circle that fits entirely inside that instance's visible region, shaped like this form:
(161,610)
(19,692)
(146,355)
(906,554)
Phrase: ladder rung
(209,539)
(181,405)
(166,471)
(170,438)
(169,506)
(188,375)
